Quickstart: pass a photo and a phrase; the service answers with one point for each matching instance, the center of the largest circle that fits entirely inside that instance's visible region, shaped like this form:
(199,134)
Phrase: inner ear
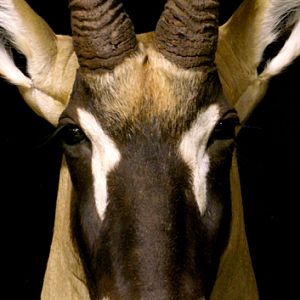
(18,57)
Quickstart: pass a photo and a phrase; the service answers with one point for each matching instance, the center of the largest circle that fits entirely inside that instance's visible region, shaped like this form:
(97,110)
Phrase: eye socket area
(70,134)
(226,126)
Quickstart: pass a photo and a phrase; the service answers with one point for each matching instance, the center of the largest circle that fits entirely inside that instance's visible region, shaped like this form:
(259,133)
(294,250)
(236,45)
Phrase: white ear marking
(10,72)
(286,55)
(30,34)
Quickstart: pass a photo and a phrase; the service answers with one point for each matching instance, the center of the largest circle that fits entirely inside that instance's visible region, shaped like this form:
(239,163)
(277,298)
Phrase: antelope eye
(225,128)
(71,135)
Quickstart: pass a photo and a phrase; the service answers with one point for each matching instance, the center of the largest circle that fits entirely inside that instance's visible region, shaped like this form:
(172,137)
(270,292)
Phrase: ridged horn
(187,32)
(103,34)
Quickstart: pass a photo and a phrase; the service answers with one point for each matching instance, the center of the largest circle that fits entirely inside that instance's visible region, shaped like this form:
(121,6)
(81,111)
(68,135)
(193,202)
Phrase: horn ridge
(187,32)
(103,35)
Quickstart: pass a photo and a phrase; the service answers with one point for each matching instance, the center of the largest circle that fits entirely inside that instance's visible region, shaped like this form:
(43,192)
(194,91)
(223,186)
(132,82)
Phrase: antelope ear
(51,60)
(242,42)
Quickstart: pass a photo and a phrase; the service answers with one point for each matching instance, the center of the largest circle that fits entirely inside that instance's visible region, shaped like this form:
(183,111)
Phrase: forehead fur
(147,87)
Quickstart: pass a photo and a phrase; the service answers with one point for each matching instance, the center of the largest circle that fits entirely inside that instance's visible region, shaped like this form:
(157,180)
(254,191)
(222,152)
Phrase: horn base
(187,32)
(103,34)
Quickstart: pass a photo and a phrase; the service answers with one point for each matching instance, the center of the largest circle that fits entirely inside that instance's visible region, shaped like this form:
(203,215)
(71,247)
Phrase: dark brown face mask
(101,46)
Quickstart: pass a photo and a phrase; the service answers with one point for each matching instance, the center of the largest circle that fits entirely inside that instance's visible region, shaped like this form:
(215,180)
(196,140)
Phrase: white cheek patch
(105,157)
(193,151)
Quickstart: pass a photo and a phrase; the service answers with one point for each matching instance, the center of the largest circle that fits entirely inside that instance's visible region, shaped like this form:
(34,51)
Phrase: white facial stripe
(105,157)
(192,149)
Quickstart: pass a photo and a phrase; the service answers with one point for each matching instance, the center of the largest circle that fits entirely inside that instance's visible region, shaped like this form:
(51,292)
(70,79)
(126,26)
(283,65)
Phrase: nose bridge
(152,175)
(149,163)
(146,176)
(150,192)
(152,188)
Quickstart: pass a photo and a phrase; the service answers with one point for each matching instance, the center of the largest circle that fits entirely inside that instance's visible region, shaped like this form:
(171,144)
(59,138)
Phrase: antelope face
(148,139)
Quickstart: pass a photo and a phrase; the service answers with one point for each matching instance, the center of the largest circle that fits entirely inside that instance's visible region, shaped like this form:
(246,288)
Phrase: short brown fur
(146,86)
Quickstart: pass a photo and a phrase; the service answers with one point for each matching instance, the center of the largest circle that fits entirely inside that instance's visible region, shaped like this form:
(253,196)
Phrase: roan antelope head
(148,130)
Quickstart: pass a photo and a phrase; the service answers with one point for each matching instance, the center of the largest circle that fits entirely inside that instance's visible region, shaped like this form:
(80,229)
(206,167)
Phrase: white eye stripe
(193,151)
(105,157)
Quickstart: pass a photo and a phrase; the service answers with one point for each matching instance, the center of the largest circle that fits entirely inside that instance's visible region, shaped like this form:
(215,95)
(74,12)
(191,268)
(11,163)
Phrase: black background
(268,152)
